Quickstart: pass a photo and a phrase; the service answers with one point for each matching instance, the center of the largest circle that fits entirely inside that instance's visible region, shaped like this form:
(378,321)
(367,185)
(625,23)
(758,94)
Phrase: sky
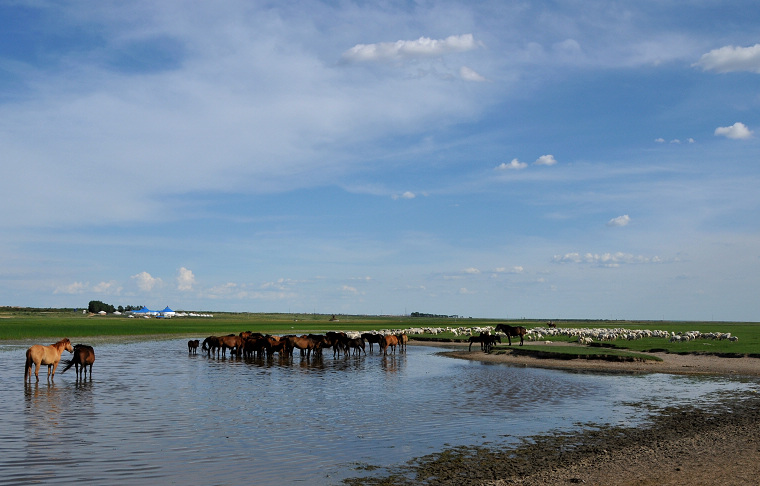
(501,159)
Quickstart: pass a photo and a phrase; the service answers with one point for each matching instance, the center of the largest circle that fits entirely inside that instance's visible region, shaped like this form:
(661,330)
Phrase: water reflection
(154,413)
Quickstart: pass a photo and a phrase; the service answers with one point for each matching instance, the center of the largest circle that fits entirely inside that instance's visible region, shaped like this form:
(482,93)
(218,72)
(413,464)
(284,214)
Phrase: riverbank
(679,446)
(719,446)
(684,364)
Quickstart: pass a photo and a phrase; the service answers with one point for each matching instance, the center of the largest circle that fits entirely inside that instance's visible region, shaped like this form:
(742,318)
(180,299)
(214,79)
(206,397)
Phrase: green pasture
(51,324)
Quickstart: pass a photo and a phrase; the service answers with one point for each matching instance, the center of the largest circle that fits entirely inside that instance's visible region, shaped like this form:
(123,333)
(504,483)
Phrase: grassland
(47,324)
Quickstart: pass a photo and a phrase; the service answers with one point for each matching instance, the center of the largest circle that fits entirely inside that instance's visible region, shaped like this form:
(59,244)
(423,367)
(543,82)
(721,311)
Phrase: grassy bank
(49,324)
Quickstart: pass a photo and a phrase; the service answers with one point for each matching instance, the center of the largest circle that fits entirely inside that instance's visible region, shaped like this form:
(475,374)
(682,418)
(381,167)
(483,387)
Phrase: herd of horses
(250,344)
(38,355)
(488,340)
(256,345)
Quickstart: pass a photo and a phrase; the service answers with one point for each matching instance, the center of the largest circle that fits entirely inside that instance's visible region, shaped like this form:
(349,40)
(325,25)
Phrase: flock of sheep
(583,335)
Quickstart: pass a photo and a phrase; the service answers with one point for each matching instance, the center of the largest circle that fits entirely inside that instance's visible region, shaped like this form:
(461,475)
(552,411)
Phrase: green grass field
(52,324)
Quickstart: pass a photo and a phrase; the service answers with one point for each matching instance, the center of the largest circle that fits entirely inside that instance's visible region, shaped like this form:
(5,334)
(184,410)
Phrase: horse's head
(67,345)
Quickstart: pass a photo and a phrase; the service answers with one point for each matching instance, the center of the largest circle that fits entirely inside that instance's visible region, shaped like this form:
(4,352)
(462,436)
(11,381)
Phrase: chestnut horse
(389,340)
(45,355)
(84,356)
(512,331)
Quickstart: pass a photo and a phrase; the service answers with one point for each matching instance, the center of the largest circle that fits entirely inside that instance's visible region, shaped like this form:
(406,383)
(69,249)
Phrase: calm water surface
(152,414)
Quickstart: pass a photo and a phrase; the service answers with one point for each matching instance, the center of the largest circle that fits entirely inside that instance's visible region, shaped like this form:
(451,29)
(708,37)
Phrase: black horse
(512,331)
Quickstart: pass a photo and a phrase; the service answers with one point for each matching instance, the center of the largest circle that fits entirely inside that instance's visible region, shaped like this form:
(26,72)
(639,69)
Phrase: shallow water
(152,413)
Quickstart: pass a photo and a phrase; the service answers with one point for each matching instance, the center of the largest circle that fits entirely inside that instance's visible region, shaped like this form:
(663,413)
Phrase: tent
(144,312)
(167,312)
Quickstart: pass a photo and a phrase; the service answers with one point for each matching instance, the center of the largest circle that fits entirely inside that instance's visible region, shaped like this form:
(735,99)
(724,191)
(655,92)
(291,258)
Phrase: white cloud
(546,160)
(659,140)
(349,289)
(515,269)
(514,165)
(73,288)
(619,221)
(472,271)
(737,131)
(405,195)
(470,75)
(185,279)
(145,281)
(731,58)
(112,287)
(605,259)
(409,49)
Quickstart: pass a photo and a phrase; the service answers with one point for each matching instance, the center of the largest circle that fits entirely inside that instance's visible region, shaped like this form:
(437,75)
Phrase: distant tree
(96,306)
(120,308)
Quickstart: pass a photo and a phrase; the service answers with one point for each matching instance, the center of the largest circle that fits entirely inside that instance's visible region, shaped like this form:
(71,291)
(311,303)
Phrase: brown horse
(402,340)
(84,356)
(304,343)
(389,340)
(192,346)
(512,331)
(234,343)
(45,355)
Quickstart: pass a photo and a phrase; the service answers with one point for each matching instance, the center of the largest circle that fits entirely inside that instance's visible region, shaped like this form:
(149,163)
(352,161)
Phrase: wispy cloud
(470,75)
(619,221)
(409,49)
(606,259)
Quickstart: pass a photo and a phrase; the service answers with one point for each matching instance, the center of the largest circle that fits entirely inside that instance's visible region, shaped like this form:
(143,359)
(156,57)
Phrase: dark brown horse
(486,340)
(45,355)
(192,346)
(372,338)
(356,344)
(212,345)
(512,331)
(84,356)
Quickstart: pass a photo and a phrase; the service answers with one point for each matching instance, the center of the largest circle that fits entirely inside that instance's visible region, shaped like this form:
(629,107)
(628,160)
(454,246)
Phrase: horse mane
(62,342)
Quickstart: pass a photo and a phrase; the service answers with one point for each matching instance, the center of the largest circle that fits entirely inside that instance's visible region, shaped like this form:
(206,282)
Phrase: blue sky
(486,159)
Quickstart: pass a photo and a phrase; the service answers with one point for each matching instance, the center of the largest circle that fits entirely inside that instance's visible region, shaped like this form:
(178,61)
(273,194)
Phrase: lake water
(152,414)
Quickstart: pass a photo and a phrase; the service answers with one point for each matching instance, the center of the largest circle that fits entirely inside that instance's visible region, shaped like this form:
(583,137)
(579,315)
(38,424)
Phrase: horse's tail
(69,364)
(28,364)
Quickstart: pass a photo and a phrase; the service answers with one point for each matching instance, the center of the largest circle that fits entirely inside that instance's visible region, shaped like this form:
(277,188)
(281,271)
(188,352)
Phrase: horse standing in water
(512,331)
(45,355)
(84,356)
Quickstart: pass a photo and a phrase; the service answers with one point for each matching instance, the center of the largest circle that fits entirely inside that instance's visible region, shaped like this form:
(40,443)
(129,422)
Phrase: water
(152,413)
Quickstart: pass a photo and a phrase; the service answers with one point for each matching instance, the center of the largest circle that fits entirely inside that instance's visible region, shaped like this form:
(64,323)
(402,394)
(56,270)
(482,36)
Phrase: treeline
(422,314)
(96,306)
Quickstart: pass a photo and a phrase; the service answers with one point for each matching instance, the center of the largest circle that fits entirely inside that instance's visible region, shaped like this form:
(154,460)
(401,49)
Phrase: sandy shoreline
(691,364)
